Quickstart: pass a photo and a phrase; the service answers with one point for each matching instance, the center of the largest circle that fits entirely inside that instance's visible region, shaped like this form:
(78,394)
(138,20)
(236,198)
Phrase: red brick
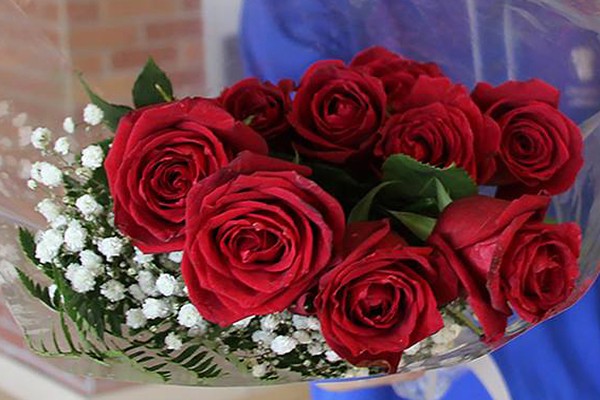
(136,8)
(129,58)
(83,12)
(103,37)
(88,63)
(174,29)
(191,5)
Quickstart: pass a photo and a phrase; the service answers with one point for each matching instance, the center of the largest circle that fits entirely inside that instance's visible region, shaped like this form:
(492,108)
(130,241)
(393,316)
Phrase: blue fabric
(560,359)
(465,387)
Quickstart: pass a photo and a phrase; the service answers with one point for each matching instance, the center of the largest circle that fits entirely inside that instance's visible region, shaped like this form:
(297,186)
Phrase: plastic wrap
(472,40)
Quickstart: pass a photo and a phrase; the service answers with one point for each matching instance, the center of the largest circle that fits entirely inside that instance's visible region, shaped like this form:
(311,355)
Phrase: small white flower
(110,247)
(40,138)
(75,236)
(48,246)
(173,342)
(156,308)
(59,222)
(31,184)
(84,173)
(198,330)
(142,258)
(447,334)
(308,323)
(283,345)
(313,324)
(356,373)
(92,157)
(46,174)
(263,337)
(49,209)
(315,349)
(91,261)
(243,323)
(82,280)
(332,356)
(259,370)
(167,285)
(69,125)
(302,337)
(113,290)
(137,293)
(62,146)
(270,322)
(189,316)
(176,256)
(135,318)
(147,282)
(92,115)
(88,205)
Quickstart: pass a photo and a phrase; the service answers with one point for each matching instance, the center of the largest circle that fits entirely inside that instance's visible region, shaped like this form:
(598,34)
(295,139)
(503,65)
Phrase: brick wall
(41,43)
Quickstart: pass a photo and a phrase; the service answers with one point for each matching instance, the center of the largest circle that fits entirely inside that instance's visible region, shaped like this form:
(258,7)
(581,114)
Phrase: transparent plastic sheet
(472,40)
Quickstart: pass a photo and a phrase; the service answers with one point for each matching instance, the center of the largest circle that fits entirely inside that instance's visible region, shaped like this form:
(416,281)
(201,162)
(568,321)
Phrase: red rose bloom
(336,112)
(440,125)
(397,74)
(375,303)
(541,148)
(158,153)
(258,235)
(265,104)
(506,257)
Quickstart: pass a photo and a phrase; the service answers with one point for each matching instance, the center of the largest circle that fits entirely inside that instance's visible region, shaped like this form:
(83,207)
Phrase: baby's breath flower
(155,308)
(147,283)
(283,344)
(110,247)
(40,138)
(92,115)
(69,125)
(176,256)
(82,280)
(46,174)
(75,236)
(48,246)
(189,316)
(92,157)
(49,210)
(173,342)
(113,290)
(135,318)
(167,285)
(62,146)
(87,205)
(259,370)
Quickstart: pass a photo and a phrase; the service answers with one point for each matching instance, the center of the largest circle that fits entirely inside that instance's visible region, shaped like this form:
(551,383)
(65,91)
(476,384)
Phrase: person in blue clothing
(472,40)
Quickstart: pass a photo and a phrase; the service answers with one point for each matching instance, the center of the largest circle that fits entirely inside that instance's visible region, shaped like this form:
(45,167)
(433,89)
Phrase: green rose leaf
(419,180)
(420,225)
(152,86)
(112,112)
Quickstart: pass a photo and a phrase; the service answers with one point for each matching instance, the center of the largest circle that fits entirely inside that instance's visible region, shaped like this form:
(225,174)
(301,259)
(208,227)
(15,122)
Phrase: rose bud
(506,257)
(336,112)
(377,301)
(158,153)
(263,104)
(258,235)
(541,148)
(440,125)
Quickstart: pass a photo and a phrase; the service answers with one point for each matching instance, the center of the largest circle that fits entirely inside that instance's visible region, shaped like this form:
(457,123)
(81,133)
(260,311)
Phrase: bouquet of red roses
(370,218)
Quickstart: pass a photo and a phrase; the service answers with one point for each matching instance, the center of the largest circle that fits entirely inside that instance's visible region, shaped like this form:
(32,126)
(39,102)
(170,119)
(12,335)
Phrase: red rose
(440,125)
(158,153)
(397,74)
(506,257)
(265,104)
(541,148)
(376,303)
(336,112)
(258,235)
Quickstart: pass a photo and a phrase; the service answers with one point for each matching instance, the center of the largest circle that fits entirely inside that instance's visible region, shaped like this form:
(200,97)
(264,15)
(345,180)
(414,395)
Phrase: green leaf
(418,179)
(35,289)
(152,86)
(362,209)
(420,225)
(443,197)
(28,244)
(112,112)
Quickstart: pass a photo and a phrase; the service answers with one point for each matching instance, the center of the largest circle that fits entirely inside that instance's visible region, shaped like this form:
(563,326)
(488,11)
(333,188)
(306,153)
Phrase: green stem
(460,318)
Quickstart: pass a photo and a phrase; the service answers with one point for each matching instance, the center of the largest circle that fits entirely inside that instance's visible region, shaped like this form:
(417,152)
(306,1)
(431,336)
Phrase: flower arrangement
(333,227)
